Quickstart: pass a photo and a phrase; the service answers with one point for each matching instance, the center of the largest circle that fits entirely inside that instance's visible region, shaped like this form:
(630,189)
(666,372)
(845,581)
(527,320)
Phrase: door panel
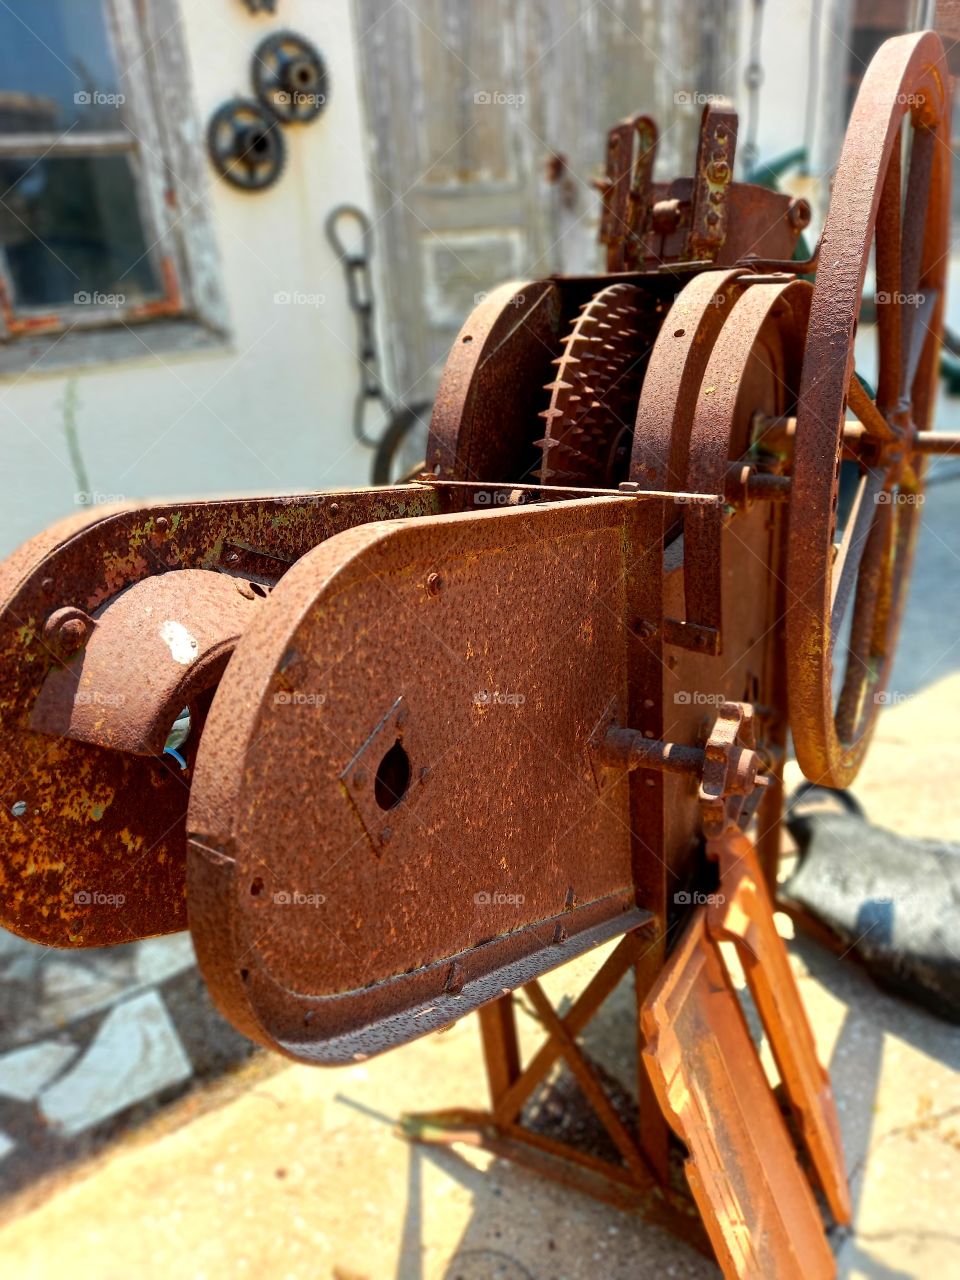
(467,100)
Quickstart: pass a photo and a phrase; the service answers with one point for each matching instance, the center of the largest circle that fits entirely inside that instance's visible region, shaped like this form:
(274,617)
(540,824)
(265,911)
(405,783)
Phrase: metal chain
(356,266)
(753,79)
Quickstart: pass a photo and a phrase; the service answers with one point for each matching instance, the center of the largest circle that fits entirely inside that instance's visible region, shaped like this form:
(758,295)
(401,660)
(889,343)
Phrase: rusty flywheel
(847,578)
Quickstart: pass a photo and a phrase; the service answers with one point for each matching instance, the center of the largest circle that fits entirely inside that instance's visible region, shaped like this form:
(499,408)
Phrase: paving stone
(25,1072)
(135,1054)
(73,989)
(12,946)
(160,958)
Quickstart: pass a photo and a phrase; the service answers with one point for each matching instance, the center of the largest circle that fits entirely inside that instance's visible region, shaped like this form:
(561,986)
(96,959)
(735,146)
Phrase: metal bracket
(377,780)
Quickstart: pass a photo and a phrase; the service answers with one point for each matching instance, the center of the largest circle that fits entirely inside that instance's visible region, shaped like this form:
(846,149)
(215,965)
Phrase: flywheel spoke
(866,647)
(846,568)
(868,413)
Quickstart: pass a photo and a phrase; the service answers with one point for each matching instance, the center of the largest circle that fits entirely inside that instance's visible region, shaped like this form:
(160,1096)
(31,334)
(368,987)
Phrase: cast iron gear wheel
(594,396)
(246,144)
(290,77)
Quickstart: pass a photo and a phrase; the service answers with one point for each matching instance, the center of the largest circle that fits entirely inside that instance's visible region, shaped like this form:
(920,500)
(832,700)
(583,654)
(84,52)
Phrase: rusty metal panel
(745,917)
(401,749)
(756,1203)
(127,670)
(92,841)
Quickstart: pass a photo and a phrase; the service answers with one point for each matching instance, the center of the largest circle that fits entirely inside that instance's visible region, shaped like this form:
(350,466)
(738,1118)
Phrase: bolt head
(72,634)
(434,584)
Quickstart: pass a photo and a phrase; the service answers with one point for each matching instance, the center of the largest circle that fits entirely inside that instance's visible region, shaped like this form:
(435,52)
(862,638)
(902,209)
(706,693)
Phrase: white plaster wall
(270,411)
(785,55)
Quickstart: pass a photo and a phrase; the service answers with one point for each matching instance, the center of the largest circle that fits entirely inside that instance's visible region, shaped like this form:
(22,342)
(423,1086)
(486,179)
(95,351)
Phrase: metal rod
(629,749)
(854,432)
(550,491)
(937,442)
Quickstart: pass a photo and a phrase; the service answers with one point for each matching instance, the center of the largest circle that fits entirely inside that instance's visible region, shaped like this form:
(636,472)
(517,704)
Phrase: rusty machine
(433,740)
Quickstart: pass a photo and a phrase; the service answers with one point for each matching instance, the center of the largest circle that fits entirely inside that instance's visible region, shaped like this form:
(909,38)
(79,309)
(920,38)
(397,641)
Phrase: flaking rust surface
(80,827)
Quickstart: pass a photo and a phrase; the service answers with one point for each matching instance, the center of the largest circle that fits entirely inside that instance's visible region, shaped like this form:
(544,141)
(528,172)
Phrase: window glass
(69,226)
(57,67)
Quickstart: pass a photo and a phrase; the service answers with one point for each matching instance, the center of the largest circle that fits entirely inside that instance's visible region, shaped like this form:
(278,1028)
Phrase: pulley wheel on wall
(290,78)
(246,145)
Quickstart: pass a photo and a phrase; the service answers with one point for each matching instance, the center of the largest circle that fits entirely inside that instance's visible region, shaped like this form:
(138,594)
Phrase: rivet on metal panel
(67,630)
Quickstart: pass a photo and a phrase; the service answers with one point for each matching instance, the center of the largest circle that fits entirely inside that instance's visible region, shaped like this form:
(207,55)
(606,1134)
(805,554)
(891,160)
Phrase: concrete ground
(282,1171)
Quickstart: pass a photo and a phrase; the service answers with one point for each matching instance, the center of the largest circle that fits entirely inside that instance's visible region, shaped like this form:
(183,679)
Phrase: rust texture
(394,753)
(82,826)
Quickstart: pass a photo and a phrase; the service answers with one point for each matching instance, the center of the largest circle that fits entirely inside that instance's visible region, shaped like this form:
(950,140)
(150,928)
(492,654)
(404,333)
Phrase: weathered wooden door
(467,103)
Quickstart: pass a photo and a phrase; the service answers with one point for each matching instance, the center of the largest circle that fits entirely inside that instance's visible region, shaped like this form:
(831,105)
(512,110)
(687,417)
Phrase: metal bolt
(47,585)
(386,835)
(334,508)
(360,778)
(233,557)
(434,583)
(161,524)
(72,635)
(425,773)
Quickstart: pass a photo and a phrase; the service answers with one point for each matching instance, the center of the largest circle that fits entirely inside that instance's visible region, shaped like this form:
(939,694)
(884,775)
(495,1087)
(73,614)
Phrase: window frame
(169,185)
